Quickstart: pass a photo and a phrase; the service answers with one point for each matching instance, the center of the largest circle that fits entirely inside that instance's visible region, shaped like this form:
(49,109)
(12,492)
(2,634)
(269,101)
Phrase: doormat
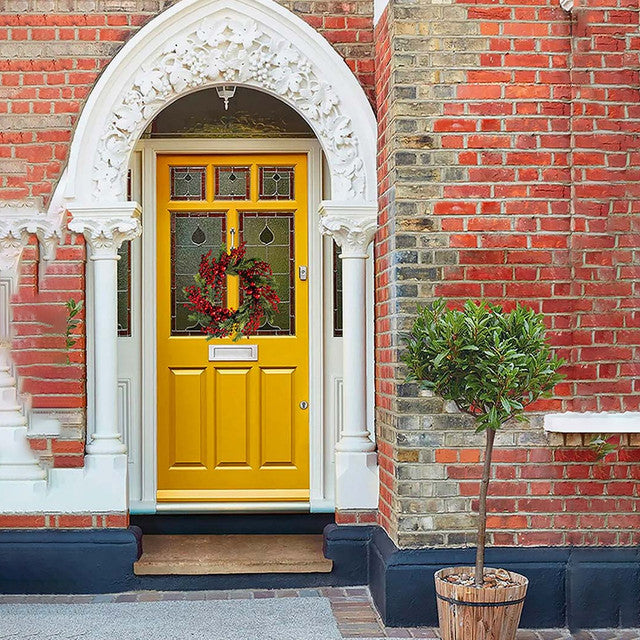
(269,619)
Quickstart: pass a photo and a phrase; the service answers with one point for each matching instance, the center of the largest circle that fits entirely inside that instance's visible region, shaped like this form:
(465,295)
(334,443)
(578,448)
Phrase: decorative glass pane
(269,236)
(337,292)
(233,183)
(192,235)
(188,183)
(124,290)
(276,183)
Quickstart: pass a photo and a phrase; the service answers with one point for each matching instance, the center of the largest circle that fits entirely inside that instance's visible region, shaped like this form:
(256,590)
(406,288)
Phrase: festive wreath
(206,299)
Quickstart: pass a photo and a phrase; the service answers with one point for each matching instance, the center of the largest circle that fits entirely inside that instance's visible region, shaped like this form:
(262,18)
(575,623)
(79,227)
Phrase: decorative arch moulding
(198,44)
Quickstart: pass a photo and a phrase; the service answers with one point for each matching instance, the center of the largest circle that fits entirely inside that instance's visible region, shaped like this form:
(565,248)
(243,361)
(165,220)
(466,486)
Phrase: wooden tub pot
(467,613)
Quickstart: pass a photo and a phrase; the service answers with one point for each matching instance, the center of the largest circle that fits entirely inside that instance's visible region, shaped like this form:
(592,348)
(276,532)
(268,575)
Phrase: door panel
(232,430)
(189,418)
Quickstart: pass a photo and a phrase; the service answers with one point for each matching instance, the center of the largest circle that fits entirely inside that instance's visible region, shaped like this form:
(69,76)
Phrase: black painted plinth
(577,587)
(68,561)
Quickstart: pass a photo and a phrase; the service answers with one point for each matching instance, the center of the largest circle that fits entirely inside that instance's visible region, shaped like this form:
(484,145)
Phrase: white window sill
(593,422)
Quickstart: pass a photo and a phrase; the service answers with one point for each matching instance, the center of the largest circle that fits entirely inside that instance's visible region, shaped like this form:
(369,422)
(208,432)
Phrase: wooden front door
(232,418)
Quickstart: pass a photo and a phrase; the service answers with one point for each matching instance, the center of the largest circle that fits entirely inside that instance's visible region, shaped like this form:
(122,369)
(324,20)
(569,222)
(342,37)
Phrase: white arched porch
(260,45)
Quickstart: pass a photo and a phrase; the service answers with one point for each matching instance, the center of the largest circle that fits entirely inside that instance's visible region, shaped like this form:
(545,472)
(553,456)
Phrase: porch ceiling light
(226,92)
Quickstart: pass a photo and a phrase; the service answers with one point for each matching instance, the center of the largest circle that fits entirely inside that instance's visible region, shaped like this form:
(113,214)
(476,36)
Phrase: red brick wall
(509,165)
(547,213)
(48,64)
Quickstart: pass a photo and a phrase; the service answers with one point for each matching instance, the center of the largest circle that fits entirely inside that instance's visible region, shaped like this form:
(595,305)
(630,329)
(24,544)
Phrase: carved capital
(20,220)
(352,227)
(106,228)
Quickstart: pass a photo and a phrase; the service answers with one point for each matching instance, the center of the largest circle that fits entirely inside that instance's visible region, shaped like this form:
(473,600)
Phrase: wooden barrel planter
(467,613)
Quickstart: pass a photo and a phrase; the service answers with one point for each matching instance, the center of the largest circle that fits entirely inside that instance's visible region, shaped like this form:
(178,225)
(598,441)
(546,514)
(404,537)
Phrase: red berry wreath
(258,298)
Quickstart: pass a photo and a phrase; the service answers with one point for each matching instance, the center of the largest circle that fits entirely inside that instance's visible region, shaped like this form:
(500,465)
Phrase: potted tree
(491,364)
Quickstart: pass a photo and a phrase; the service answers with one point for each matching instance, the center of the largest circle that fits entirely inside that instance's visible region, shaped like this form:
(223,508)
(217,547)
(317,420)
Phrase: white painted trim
(143,491)
(378,9)
(233,507)
(593,422)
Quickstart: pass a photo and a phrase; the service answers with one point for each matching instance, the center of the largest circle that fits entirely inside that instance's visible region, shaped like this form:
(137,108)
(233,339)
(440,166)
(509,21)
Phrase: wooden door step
(231,554)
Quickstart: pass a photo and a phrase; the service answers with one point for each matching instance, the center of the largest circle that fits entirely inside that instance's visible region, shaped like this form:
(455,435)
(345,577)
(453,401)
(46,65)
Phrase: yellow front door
(232,417)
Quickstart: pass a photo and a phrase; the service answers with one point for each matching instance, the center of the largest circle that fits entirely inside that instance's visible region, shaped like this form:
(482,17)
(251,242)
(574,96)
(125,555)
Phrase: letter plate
(233,352)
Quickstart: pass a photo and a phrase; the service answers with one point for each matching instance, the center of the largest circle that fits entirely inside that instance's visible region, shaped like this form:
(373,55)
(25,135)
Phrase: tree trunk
(482,509)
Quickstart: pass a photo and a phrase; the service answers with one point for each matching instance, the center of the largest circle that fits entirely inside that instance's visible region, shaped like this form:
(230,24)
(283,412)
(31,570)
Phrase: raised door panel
(233,415)
(188,424)
(277,417)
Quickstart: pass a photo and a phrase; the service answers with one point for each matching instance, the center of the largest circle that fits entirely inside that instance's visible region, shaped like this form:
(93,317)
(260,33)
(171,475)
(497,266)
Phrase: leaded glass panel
(233,183)
(269,236)
(188,183)
(192,235)
(337,292)
(124,289)
(277,183)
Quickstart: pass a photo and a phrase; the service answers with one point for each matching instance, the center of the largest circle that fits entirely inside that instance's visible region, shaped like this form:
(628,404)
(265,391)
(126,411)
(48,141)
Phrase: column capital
(352,226)
(106,228)
(20,220)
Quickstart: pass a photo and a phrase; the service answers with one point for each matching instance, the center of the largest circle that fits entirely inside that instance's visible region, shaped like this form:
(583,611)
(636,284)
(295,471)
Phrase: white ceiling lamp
(226,92)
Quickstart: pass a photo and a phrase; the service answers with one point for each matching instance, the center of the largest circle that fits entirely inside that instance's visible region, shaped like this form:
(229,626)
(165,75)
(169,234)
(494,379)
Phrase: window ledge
(593,422)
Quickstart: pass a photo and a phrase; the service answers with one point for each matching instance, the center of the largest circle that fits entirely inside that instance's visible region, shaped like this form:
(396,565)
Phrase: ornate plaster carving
(229,51)
(105,229)
(19,220)
(352,232)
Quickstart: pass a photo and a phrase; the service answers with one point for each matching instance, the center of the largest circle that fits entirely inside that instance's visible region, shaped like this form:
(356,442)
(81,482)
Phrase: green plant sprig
(73,322)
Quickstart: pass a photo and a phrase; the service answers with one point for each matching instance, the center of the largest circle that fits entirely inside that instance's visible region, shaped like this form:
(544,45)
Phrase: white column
(353,228)
(105,229)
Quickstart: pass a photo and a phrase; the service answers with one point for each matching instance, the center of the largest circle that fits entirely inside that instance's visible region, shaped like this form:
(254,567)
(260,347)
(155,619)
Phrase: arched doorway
(257,45)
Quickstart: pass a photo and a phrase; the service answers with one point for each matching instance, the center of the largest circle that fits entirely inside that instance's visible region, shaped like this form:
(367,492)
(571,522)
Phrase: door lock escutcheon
(304,405)
(302,272)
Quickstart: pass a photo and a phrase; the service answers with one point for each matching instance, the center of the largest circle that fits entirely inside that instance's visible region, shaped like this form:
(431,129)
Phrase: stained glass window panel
(269,236)
(232,183)
(188,183)
(192,235)
(337,292)
(124,290)
(277,183)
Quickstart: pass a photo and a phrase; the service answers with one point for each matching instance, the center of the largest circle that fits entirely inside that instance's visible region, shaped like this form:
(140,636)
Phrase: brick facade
(507,164)
(512,151)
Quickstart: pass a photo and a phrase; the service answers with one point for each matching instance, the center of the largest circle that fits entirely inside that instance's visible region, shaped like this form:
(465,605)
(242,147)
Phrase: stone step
(231,554)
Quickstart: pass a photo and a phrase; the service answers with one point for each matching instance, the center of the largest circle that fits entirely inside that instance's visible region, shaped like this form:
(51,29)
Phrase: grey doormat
(269,619)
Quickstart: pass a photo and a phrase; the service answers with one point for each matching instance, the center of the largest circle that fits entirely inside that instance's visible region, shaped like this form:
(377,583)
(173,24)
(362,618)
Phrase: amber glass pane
(232,183)
(188,183)
(124,289)
(337,292)
(269,236)
(192,235)
(276,183)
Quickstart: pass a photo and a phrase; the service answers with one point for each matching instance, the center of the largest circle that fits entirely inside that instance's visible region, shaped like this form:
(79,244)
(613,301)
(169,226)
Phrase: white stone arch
(204,43)
(197,44)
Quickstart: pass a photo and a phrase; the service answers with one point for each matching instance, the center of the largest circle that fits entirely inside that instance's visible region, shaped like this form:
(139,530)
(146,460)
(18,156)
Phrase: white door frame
(143,469)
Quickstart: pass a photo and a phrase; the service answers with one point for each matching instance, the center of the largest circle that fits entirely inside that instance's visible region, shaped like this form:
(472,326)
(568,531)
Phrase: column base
(106,446)
(356,480)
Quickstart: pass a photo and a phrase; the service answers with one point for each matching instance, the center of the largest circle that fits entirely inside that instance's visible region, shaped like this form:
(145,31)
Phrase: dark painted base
(230,523)
(101,561)
(574,587)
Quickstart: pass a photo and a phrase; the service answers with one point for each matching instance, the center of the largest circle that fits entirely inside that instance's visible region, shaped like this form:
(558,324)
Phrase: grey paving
(237,619)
